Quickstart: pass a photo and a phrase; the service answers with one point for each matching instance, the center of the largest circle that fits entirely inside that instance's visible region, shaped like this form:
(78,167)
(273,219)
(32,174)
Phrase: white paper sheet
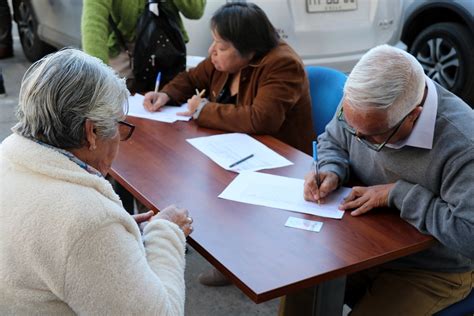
(281,192)
(226,149)
(166,114)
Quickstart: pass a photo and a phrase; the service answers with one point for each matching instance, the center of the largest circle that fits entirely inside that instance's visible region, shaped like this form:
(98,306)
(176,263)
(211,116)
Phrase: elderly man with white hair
(67,246)
(411,143)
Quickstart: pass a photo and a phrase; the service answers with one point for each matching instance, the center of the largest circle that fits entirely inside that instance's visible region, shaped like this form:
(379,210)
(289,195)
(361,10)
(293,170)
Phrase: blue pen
(316,165)
(157,82)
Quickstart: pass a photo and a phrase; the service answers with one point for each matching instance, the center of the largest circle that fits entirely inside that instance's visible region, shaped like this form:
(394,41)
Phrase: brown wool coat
(273,98)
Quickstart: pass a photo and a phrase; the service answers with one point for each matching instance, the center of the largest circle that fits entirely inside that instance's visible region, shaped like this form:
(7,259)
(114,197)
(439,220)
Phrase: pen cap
(315,150)
(158,78)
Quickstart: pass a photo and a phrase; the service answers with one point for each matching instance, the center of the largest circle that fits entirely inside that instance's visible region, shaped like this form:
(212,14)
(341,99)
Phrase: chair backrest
(326,87)
(461,308)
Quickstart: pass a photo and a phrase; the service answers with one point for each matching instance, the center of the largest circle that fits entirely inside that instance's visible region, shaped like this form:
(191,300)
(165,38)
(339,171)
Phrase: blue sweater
(434,189)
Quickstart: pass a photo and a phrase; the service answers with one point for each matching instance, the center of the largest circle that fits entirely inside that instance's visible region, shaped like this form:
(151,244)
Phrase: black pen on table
(316,166)
(240,161)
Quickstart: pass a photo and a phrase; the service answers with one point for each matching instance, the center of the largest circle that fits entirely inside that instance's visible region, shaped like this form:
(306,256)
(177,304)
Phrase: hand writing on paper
(329,182)
(364,199)
(155,100)
(193,104)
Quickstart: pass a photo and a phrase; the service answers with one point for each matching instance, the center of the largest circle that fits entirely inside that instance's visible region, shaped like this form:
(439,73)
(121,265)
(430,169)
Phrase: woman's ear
(91,135)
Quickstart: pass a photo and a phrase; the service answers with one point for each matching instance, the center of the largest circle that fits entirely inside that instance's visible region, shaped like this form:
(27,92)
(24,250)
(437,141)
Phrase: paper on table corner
(281,193)
(226,149)
(167,114)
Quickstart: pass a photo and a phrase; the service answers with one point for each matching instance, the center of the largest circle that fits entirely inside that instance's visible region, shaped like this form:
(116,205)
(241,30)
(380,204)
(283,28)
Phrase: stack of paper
(167,114)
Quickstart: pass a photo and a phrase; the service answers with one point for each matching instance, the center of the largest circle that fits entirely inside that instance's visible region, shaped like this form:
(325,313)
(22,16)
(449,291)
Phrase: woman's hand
(155,100)
(364,199)
(193,104)
(179,216)
(329,182)
(144,217)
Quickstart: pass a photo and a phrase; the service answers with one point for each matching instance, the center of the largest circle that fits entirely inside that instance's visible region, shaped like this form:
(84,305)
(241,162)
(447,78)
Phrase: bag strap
(119,35)
(165,14)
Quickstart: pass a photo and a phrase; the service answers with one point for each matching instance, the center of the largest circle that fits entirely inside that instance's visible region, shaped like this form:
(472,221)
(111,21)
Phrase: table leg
(328,298)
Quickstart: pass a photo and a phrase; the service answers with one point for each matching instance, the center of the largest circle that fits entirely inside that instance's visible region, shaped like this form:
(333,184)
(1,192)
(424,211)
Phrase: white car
(440,34)
(333,33)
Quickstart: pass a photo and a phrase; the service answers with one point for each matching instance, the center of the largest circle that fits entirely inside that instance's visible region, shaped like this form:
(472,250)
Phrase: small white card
(305,224)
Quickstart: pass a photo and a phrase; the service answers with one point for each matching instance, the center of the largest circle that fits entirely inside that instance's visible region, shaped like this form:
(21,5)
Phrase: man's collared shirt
(423,130)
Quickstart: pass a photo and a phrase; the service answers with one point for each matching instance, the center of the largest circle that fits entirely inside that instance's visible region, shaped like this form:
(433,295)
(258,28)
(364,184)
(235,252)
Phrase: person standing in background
(99,39)
(6,42)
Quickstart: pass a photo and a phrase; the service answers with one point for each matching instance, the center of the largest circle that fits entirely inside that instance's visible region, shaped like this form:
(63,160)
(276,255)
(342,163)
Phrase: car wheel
(33,47)
(446,52)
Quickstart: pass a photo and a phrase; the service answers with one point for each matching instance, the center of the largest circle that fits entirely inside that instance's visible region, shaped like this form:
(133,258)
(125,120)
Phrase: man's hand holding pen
(359,201)
(328,183)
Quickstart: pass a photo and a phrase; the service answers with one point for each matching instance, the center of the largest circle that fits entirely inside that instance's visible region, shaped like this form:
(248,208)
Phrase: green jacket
(98,38)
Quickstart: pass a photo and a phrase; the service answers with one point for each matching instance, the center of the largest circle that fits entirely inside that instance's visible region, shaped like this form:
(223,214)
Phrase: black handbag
(159,47)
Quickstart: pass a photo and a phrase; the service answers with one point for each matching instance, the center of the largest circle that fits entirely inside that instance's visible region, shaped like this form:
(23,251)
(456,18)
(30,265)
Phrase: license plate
(330,5)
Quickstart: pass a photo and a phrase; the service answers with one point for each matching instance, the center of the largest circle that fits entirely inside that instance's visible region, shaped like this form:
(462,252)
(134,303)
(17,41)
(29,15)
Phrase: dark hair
(246,26)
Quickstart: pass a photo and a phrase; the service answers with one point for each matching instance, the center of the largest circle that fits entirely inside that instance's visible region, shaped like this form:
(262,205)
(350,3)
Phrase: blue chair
(461,308)
(326,87)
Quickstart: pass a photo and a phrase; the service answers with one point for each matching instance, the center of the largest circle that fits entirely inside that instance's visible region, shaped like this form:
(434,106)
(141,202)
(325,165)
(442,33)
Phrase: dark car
(440,34)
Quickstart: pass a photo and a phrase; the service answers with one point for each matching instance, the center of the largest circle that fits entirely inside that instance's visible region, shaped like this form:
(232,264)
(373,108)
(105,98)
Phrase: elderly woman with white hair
(67,246)
(411,142)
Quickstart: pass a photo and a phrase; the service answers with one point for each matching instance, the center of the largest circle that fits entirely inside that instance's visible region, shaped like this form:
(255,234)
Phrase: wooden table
(250,243)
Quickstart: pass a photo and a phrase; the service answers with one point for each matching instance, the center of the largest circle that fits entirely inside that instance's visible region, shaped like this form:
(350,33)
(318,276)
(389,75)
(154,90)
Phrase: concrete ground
(200,300)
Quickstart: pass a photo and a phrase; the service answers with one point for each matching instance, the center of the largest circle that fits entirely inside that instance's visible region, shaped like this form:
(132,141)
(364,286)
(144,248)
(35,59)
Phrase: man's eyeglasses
(125,130)
(353,132)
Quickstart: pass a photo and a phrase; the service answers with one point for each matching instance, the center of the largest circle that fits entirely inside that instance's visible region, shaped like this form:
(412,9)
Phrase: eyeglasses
(125,130)
(353,132)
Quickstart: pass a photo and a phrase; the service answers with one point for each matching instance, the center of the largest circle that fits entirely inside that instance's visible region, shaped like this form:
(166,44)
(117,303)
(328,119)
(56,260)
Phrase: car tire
(446,52)
(33,47)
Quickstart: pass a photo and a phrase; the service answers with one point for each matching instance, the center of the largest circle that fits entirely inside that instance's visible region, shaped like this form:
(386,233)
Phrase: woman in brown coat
(254,82)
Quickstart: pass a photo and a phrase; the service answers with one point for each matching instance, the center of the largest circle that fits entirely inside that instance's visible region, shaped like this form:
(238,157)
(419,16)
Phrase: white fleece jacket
(68,247)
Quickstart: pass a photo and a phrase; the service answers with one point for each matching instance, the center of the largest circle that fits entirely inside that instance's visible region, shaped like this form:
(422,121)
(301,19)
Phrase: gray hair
(60,91)
(386,78)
